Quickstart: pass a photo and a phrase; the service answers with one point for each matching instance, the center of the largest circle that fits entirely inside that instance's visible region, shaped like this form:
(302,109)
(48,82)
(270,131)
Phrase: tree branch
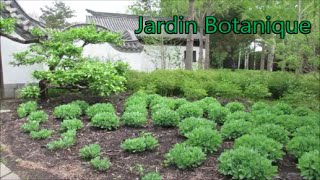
(22,41)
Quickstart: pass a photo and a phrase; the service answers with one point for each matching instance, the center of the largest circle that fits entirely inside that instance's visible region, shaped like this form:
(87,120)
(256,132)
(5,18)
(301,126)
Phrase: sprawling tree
(56,15)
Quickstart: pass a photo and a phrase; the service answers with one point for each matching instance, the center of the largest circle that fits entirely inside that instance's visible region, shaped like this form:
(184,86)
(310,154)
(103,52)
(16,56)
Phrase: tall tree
(56,16)
(189,49)
(145,7)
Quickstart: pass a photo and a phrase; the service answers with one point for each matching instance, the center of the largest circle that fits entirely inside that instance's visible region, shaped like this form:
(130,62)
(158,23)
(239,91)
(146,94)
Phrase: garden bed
(30,159)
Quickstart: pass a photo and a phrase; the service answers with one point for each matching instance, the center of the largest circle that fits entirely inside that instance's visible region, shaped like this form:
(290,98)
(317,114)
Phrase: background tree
(56,16)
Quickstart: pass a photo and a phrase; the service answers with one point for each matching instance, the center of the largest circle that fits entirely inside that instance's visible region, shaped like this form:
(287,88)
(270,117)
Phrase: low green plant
(67,139)
(71,124)
(235,129)
(152,176)
(105,120)
(25,109)
(67,111)
(99,108)
(42,134)
(273,131)
(301,144)
(260,106)
(190,110)
(90,151)
(138,169)
(206,138)
(100,164)
(307,131)
(166,118)
(184,156)
(179,102)
(188,124)
(235,106)
(267,147)
(135,119)
(309,165)
(257,91)
(218,113)
(137,108)
(246,163)
(281,108)
(302,111)
(146,141)
(239,115)
(30,126)
(30,92)
(82,104)
(38,116)
(263,117)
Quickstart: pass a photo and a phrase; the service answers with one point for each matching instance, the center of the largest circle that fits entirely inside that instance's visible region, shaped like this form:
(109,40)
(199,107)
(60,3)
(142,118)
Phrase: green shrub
(30,92)
(189,124)
(100,108)
(194,92)
(190,110)
(301,144)
(137,108)
(146,141)
(207,103)
(235,129)
(245,163)
(135,119)
(152,176)
(257,91)
(42,134)
(136,100)
(273,131)
(71,124)
(281,108)
(25,109)
(38,116)
(184,156)
(100,164)
(82,104)
(260,106)
(239,115)
(90,151)
(218,113)
(105,120)
(307,131)
(67,111)
(292,123)
(206,138)
(263,117)
(166,118)
(309,165)
(179,102)
(235,106)
(30,126)
(226,89)
(67,139)
(267,147)
(302,111)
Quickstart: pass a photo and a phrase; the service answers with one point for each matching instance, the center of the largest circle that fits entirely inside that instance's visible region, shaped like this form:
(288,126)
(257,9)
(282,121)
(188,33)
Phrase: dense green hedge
(297,90)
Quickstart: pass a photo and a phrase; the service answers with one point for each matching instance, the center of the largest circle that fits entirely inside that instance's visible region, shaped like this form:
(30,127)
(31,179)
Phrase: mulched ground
(31,160)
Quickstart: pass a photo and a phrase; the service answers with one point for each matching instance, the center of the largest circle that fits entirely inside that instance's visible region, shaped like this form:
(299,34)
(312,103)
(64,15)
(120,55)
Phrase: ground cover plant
(146,141)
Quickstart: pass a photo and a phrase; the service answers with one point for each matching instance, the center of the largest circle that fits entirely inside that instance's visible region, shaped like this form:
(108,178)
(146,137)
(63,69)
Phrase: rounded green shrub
(82,104)
(190,110)
(30,92)
(235,129)
(158,107)
(152,176)
(292,122)
(206,138)
(257,91)
(134,119)
(260,106)
(137,108)
(206,103)
(67,111)
(166,118)
(184,156)
(267,147)
(302,111)
(239,115)
(246,163)
(263,117)
(179,102)
(42,134)
(146,141)
(30,126)
(235,106)
(71,124)
(90,151)
(273,131)
(136,100)
(281,108)
(301,144)
(189,124)
(100,108)
(100,164)
(38,116)
(307,131)
(309,165)
(105,120)
(218,113)
(25,109)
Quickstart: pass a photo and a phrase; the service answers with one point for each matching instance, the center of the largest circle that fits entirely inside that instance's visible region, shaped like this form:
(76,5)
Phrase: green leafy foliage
(99,108)
(282,108)
(30,126)
(90,151)
(135,119)
(307,131)
(100,164)
(302,111)
(257,91)
(30,92)
(245,163)
(184,156)
(263,117)
(152,176)
(166,118)
(301,144)
(273,131)
(67,139)
(235,129)
(218,113)
(25,109)
(189,124)
(105,120)
(42,134)
(206,138)
(309,165)
(257,106)
(235,106)
(146,141)
(67,111)
(239,115)
(71,124)
(82,104)
(207,103)
(267,147)
(190,110)
(38,116)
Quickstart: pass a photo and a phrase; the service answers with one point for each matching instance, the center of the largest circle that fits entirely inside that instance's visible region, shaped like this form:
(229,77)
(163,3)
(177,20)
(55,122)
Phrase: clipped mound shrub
(25,109)
(184,156)
(100,164)
(281,108)
(136,100)
(137,108)
(263,117)
(188,124)
(99,108)
(190,110)
(273,131)
(260,106)
(218,113)
(235,106)
(71,124)
(67,139)
(90,151)
(134,119)
(179,102)
(246,163)
(206,138)
(67,111)
(307,131)
(301,144)
(267,147)
(42,134)
(235,129)
(30,126)
(152,176)
(166,118)
(105,120)
(302,111)
(82,104)
(146,141)
(206,103)
(239,115)
(309,165)
(38,116)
